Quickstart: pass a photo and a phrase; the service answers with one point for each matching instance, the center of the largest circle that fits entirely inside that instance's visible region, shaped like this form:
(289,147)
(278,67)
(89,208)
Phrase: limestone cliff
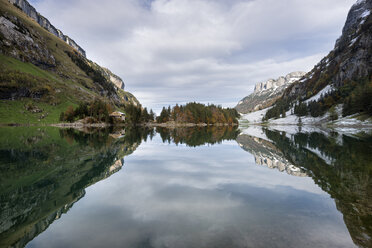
(29,10)
(266,93)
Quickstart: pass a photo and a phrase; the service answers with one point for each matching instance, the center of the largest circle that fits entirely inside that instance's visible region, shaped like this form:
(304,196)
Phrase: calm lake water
(194,187)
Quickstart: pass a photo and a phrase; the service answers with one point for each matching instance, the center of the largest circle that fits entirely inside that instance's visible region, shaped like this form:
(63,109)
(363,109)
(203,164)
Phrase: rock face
(266,93)
(116,80)
(281,81)
(18,40)
(350,60)
(29,10)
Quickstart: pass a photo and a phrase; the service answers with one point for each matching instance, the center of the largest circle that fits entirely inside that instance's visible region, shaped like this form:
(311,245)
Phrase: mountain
(43,71)
(341,82)
(267,93)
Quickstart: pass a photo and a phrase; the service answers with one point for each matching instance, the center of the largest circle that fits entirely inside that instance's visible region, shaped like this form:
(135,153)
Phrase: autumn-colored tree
(69,114)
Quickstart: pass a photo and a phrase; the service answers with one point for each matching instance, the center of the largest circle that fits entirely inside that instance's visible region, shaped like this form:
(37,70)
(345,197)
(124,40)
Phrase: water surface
(194,187)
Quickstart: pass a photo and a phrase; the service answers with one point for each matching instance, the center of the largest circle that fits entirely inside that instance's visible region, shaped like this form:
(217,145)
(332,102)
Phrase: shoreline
(104,125)
(176,125)
(78,125)
(328,126)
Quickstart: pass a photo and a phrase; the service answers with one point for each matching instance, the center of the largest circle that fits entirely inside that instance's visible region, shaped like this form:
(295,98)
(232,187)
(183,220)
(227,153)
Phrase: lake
(188,187)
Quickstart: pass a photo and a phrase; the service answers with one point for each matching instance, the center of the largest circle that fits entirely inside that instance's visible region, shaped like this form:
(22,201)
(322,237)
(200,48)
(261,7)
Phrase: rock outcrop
(29,10)
(21,43)
(281,81)
(116,80)
(266,93)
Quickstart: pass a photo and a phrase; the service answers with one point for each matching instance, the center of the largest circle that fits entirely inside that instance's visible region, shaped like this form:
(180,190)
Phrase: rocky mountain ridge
(29,10)
(39,69)
(281,81)
(349,60)
(340,80)
(337,90)
(266,93)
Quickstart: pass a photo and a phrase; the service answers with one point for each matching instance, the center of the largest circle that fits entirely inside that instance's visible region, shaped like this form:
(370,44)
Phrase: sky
(208,51)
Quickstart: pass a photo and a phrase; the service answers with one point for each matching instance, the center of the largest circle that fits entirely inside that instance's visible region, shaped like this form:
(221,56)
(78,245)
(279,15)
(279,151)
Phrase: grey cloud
(200,50)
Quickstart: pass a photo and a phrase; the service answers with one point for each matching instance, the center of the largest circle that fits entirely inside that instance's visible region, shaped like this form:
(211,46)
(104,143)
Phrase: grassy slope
(15,111)
(70,85)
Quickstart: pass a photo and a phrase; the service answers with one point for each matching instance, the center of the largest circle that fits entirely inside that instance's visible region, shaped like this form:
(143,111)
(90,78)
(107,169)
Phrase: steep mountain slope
(29,10)
(44,71)
(267,93)
(343,77)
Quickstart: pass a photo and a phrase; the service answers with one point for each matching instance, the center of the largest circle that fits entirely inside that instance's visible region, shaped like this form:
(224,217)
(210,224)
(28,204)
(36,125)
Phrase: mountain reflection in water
(45,171)
(340,164)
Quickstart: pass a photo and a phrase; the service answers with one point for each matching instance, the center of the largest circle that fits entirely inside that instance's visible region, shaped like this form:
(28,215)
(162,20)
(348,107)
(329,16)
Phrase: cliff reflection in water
(44,171)
(340,164)
(267,154)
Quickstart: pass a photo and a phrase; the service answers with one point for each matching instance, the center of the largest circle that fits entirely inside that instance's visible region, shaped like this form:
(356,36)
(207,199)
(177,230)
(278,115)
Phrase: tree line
(99,111)
(198,113)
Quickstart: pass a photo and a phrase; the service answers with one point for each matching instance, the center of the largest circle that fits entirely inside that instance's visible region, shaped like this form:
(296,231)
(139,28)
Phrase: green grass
(14,64)
(66,84)
(14,112)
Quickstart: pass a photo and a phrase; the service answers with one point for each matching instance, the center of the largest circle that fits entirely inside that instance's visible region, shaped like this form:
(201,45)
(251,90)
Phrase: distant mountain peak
(281,81)
(266,93)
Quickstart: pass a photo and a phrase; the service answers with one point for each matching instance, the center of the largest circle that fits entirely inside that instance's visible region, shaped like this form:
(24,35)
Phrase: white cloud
(171,51)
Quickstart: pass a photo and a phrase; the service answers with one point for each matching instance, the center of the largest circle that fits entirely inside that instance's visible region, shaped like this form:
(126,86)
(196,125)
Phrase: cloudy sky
(214,51)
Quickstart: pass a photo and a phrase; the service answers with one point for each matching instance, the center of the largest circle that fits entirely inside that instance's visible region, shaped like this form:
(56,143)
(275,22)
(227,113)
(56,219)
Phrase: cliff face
(350,60)
(16,38)
(281,81)
(116,80)
(29,10)
(37,64)
(266,93)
